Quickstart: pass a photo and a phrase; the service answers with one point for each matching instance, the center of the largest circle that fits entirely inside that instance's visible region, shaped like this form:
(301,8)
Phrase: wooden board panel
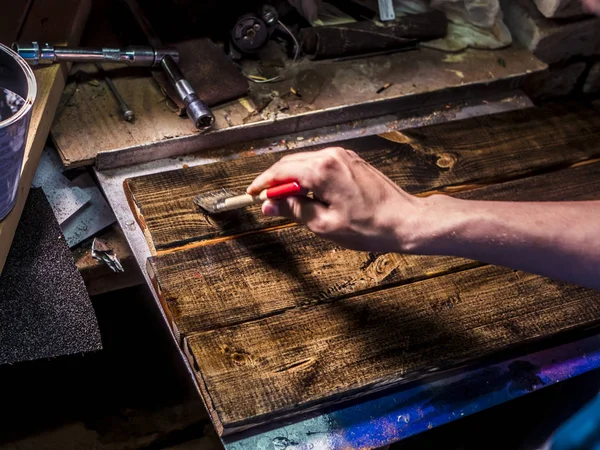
(478,150)
(48,23)
(278,322)
(560,8)
(306,359)
(226,283)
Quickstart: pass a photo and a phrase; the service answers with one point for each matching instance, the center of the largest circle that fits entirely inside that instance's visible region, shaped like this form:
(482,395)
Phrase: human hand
(592,6)
(354,204)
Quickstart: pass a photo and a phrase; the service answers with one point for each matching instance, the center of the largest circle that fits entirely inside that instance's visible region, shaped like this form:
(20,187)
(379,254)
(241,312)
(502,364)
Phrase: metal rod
(127,112)
(38,53)
(196,109)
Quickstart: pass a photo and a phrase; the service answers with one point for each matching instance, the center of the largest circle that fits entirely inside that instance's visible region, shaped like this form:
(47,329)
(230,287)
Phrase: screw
(127,112)
(256,26)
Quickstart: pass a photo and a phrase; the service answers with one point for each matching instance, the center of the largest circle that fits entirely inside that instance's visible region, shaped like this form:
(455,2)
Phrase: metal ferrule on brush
(223,200)
(237,202)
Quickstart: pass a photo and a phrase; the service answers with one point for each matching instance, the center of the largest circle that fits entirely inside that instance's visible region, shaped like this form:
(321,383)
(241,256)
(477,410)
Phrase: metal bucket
(17,77)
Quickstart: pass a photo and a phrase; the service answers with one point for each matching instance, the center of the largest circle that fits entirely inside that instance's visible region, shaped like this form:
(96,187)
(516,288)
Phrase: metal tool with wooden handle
(223,200)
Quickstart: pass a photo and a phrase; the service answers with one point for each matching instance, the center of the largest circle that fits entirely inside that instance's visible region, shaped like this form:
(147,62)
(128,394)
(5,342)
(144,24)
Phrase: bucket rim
(31,88)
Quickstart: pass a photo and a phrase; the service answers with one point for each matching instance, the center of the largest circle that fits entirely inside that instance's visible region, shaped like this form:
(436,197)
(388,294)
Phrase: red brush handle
(284,190)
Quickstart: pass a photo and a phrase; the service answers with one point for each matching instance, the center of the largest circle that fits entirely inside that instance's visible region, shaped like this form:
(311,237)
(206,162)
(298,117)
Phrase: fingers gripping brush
(224,200)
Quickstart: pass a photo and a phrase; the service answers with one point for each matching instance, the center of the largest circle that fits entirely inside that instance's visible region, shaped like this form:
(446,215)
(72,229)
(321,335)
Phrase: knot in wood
(446,161)
(238,357)
(381,265)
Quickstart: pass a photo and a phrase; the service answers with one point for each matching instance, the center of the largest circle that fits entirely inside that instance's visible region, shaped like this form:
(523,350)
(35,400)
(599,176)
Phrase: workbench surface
(247,331)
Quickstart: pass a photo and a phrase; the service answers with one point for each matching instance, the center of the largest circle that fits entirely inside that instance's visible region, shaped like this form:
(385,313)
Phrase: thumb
(299,209)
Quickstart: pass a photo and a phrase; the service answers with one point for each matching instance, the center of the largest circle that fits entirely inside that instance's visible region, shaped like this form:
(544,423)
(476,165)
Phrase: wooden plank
(502,146)
(258,275)
(11,20)
(307,359)
(48,23)
(92,107)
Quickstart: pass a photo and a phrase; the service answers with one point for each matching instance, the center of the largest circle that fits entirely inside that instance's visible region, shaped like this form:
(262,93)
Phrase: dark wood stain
(257,275)
(278,322)
(500,147)
(374,341)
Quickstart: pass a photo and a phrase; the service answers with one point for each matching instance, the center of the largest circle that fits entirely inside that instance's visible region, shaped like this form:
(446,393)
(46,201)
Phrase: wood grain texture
(277,322)
(306,359)
(479,150)
(48,23)
(100,113)
(258,275)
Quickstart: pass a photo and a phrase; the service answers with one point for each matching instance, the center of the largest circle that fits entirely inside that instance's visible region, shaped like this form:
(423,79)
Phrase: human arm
(358,207)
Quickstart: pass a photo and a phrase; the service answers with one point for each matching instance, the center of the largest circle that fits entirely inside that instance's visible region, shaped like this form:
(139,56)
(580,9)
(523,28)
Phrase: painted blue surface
(412,410)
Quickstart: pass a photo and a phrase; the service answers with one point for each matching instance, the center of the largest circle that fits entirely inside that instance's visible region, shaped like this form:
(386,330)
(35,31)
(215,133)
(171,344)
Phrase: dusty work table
(420,84)
(548,155)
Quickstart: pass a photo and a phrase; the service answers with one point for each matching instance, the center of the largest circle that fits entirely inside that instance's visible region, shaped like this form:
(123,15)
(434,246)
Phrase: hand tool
(196,109)
(102,252)
(155,56)
(40,53)
(224,200)
(128,113)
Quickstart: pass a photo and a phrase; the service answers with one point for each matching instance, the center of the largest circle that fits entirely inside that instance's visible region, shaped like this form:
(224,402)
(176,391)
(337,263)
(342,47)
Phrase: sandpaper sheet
(45,310)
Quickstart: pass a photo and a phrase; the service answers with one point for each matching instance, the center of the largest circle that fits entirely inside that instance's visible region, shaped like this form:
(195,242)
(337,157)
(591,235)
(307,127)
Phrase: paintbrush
(224,200)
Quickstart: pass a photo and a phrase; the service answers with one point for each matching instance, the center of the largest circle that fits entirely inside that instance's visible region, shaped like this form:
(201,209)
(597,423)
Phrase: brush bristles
(213,201)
